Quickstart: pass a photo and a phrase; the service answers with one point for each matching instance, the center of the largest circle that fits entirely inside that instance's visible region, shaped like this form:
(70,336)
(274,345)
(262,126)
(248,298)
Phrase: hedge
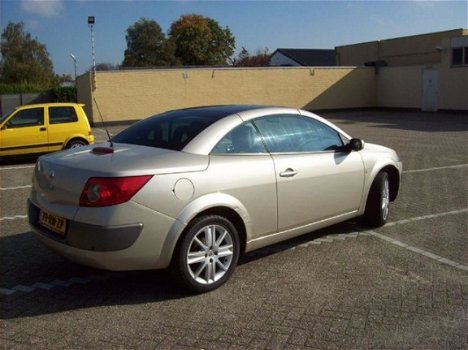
(18,88)
(64,94)
(59,94)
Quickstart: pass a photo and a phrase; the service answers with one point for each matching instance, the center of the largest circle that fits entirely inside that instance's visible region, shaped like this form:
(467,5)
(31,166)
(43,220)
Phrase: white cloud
(44,8)
(32,25)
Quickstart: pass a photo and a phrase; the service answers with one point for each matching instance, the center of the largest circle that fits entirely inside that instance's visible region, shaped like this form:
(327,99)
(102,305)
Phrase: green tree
(147,46)
(260,59)
(24,60)
(104,66)
(201,40)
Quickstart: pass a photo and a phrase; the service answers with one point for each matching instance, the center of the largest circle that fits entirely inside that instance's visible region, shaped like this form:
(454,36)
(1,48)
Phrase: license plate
(53,222)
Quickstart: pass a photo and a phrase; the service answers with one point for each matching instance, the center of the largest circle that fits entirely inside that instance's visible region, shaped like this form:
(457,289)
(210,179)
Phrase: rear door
(316,178)
(24,132)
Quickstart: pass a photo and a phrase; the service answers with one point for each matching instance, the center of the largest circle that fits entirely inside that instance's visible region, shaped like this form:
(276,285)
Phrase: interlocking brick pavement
(338,288)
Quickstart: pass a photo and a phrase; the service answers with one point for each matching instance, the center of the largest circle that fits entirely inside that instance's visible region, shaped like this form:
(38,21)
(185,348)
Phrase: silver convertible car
(192,189)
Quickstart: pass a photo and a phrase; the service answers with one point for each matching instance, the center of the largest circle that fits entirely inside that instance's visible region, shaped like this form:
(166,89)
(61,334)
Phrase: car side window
(297,133)
(58,115)
(242,139)
(27,117)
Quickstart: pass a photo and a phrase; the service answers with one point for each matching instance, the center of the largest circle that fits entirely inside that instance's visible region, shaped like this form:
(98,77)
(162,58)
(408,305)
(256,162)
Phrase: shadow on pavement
(406,120)
(37,268)
(18,160)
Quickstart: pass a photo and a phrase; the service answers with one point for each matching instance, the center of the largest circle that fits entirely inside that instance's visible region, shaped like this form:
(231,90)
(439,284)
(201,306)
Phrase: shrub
(19,88)
(64,94)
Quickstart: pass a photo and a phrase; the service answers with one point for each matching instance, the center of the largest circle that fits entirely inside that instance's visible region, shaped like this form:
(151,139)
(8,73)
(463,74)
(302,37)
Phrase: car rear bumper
(89,237)
(111,247)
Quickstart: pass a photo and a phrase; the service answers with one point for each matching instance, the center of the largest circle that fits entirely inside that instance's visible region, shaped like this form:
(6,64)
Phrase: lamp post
(91,21)
(74,66)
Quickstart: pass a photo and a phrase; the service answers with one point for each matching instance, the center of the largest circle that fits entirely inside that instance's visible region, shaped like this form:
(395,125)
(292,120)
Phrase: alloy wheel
(210,254)
(385,199)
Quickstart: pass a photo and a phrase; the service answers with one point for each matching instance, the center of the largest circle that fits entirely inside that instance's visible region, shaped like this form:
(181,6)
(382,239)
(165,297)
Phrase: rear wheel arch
(76,140)
(229,214)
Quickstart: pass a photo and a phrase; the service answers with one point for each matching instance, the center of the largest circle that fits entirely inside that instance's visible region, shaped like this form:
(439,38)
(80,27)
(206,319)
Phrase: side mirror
(355,145)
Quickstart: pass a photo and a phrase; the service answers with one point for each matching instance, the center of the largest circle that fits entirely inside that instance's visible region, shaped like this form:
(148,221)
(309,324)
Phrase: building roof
(450,33)
(310,57)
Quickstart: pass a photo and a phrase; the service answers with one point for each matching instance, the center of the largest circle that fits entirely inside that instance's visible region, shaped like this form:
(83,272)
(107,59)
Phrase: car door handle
(42,129)
(288,173)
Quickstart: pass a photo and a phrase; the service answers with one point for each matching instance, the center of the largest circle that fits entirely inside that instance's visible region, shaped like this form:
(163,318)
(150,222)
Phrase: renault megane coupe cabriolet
(192,189)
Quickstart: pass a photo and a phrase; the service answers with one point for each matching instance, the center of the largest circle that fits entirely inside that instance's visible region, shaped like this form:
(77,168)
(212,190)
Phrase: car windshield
(6,115)
(171,130)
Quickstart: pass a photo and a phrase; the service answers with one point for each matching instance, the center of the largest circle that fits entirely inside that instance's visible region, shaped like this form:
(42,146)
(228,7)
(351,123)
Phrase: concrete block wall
(399,87)
(135,94)
(402,87)
(404,51)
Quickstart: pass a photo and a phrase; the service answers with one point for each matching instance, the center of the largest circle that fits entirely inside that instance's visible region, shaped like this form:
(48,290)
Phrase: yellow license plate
(53,222)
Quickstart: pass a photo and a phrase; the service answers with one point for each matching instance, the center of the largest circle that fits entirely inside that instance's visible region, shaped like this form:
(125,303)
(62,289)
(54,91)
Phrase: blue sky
(62,24)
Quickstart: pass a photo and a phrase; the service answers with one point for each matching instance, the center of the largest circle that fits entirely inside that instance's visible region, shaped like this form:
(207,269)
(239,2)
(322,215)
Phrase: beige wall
(453,82)
(357,54)
(453,88)
(135,94)
(410,50)
(399,87)
(132,95)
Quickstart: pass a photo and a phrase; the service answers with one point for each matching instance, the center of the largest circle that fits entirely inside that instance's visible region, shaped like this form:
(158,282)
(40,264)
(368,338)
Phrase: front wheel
(378,202)
(207,254)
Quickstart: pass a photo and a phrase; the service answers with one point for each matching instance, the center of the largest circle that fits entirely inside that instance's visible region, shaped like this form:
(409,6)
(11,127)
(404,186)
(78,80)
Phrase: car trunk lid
(60,178)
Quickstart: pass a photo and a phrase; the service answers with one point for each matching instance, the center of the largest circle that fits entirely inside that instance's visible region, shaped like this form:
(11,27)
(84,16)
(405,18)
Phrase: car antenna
(103,123)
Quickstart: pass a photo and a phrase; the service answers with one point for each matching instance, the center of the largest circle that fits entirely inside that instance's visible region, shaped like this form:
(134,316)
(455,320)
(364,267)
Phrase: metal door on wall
(430,90)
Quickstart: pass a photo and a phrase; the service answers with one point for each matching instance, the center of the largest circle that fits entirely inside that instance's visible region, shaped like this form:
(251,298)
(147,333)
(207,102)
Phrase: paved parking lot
(401,286)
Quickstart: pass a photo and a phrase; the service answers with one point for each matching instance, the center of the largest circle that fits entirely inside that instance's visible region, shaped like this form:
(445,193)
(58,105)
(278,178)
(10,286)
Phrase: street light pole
(91,21)
(74,65)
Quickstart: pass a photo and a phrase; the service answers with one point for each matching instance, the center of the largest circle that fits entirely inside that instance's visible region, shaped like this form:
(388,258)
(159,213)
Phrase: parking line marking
(420,251)
(22,288)
(13,217)
(17,167)
(6,291)
(435,168)
(424,217)
(56,283)
(316,241)
(14,188)
(327,239)
(41,285)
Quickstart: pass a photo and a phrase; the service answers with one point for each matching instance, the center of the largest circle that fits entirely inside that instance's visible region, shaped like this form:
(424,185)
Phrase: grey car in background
(193,189)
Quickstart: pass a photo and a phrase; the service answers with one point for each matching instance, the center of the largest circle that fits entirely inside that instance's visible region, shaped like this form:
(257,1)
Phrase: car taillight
(105,191)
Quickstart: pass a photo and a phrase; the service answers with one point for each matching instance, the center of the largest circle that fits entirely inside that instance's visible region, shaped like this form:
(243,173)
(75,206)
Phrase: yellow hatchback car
(46,127)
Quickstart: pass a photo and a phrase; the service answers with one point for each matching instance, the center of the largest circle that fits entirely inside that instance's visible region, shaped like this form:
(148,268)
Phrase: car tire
(207,254)
(76,143)
(378,200)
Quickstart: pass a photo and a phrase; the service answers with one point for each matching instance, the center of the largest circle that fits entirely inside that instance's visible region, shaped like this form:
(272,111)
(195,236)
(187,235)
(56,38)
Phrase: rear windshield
(171,130)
